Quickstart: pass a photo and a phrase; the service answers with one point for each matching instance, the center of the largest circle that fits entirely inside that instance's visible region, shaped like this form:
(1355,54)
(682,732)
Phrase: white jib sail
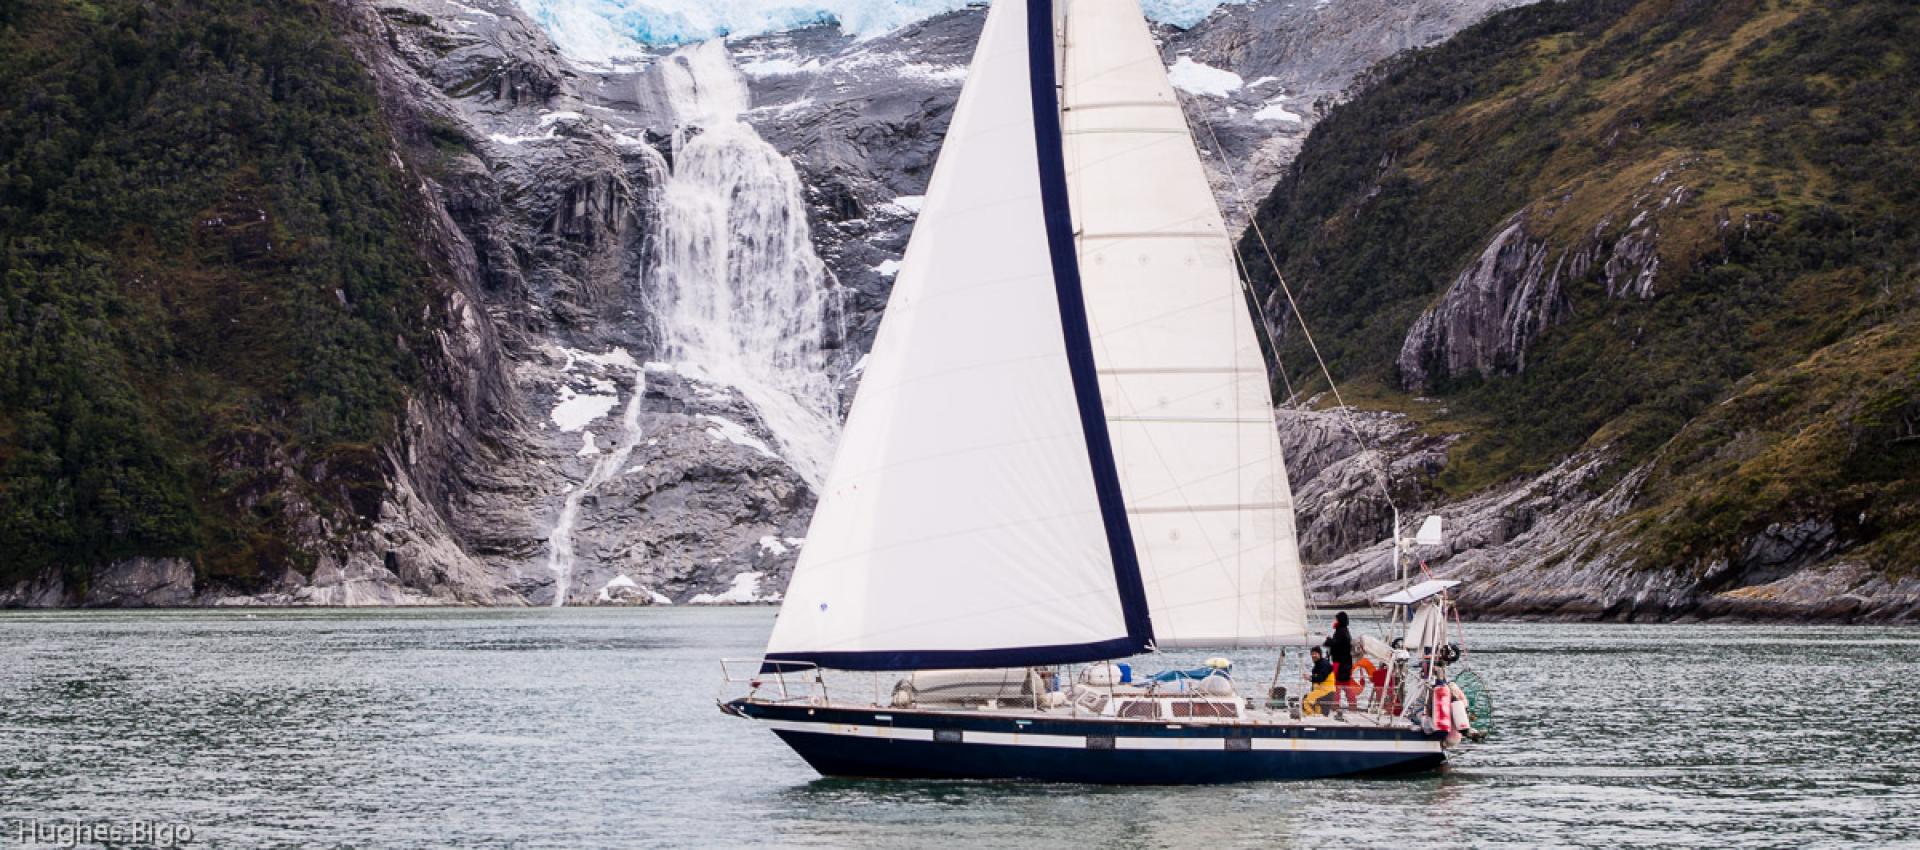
(1185,386)
(960,514)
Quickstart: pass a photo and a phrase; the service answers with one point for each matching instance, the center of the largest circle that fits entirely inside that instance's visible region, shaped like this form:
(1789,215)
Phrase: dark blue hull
(898,744)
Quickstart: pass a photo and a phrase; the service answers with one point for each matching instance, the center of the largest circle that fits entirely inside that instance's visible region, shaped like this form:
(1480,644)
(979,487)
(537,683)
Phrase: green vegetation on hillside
(207,284)
(1774,375)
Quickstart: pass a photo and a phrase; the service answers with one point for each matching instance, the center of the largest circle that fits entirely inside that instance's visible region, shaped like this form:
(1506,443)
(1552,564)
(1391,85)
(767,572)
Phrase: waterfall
(560,540)
(738,293)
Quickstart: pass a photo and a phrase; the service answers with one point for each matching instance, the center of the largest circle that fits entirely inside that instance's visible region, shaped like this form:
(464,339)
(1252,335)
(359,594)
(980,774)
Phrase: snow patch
(778,67)
(888,268)
(745,591)
(1194,78)
(1277,111)
(504,139)
(576,411)
(771,545)
(911,203)
(621,582)
(587,448)
(616,583)
(949,74)
(615,357)
(471,10)
(727,430)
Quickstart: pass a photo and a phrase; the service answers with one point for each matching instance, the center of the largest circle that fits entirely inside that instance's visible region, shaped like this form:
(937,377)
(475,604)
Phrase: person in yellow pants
(1321,677)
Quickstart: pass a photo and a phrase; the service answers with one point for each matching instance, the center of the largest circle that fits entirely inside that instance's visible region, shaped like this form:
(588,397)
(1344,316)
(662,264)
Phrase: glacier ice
(1194,78)
(605,31)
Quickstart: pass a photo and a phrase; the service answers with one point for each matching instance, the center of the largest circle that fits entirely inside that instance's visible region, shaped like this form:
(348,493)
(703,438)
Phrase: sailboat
(1062,455)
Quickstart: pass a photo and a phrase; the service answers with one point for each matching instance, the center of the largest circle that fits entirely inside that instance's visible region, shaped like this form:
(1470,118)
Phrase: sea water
(597,728)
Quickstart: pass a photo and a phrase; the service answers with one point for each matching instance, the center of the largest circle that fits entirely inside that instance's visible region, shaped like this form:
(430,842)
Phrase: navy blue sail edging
(1051,147)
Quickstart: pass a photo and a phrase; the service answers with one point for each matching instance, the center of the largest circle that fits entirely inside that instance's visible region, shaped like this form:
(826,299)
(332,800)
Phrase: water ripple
(597,728)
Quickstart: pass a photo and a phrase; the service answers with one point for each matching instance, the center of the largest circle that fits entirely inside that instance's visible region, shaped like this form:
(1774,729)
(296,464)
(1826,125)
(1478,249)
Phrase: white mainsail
(1182,378)
(962,524)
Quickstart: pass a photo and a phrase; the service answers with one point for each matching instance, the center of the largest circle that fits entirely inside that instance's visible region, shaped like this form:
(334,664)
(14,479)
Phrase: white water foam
(739,294)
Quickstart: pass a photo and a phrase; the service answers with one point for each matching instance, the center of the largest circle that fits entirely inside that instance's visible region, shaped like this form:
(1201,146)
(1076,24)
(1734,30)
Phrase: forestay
(972,517)
(1182,378)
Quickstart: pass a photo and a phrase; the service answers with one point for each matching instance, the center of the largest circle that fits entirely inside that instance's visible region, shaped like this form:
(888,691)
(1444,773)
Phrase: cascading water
(738,293)
(560,541)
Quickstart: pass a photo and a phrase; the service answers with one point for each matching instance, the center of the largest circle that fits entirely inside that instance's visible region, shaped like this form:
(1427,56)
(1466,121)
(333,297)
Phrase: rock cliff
(1637,299)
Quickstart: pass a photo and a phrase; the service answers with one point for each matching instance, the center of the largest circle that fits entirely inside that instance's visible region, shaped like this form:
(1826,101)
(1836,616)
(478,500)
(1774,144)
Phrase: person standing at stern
(1340,650)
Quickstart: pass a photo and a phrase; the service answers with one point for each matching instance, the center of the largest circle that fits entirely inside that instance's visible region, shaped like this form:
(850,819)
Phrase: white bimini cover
(1419,592)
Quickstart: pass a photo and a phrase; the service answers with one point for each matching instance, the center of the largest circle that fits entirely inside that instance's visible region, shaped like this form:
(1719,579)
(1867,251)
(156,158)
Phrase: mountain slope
(1671,243)
(217,297)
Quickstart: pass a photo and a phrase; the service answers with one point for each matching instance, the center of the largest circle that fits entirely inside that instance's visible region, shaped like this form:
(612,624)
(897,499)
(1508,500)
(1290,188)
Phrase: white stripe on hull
(1017,739)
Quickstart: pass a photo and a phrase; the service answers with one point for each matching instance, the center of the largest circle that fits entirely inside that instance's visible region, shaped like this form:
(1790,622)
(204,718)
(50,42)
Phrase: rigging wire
(1253,224)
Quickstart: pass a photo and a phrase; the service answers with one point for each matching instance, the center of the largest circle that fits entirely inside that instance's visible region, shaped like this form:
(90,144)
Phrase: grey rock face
(1549,548)
(46,590)
(142,583)
(1506,298)
(1336,461)
(1491,312)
